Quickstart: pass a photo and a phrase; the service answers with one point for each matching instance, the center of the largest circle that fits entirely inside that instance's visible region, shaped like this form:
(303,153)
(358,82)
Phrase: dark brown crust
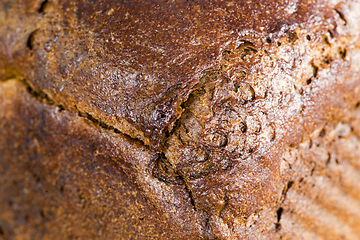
(61,174)
(199,99)
(148,55)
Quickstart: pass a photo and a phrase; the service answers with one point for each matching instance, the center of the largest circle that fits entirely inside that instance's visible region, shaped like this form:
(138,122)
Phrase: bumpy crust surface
(179,119)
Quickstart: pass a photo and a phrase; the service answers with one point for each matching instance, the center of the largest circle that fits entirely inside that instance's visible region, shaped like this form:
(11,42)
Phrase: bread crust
(200,101)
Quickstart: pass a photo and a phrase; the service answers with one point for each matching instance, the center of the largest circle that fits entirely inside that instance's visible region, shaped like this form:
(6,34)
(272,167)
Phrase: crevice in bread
(169,202)
(44,98)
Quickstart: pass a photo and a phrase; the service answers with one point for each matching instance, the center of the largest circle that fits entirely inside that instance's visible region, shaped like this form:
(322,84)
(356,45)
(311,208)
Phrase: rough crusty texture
(179,119)
(51,190)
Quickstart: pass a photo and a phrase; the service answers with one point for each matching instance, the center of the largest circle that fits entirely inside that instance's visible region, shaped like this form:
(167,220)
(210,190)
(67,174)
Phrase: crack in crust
(216,133)
(44,98)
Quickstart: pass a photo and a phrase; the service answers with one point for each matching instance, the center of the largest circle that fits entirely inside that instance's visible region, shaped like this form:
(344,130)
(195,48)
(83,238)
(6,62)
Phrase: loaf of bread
(179,119)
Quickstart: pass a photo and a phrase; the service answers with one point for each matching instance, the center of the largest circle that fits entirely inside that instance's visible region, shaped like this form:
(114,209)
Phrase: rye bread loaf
(179,119)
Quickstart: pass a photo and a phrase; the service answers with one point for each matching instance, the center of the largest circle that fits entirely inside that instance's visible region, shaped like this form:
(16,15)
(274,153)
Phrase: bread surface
(179,119)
